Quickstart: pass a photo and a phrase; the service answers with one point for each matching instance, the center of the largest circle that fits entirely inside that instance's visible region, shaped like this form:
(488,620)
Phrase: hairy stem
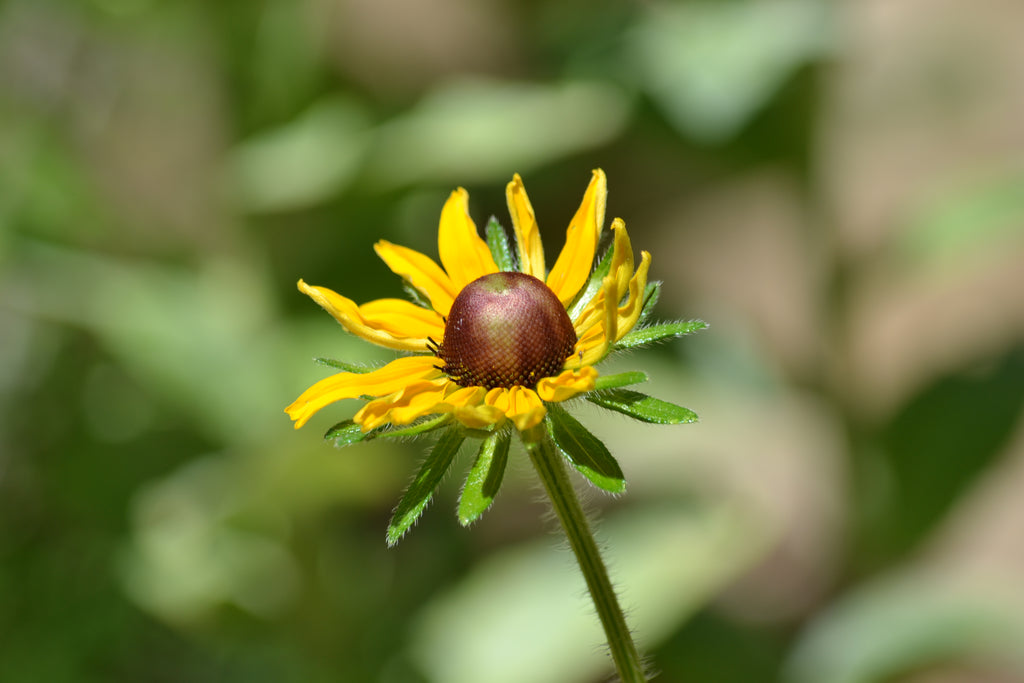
(551,470)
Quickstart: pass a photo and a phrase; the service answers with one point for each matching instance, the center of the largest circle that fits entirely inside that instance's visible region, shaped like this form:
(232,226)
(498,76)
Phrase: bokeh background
(836,187)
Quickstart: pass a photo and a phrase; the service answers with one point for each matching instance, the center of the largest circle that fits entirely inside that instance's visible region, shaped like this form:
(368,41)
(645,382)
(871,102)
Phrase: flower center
(505,329)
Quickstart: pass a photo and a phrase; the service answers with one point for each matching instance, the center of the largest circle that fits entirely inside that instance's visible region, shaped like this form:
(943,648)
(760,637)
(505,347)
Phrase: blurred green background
(837,188)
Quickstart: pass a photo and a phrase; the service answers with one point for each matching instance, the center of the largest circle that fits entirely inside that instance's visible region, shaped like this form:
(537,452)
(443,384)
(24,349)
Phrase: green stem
(548,463)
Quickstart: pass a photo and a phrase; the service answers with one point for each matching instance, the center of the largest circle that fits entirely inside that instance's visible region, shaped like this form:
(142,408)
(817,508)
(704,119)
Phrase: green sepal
(652,292)
(415,429)
(585,451)
(501,250)
(593,285)
(421,490)
(416,295)
(485,478)
(643,407)
(622,379)
(654,333)
(346,433)
(342,365)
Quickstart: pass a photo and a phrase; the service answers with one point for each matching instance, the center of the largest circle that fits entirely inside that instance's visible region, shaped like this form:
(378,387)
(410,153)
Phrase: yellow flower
(493,345)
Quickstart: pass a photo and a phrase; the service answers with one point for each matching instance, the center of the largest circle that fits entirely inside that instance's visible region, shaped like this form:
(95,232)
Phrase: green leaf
(485,478)
(501,250)
(416,429)
(652,292)
(643,407)
(342,365)
(346,433)
(623,379)
(654,333)
(585,451)
(420,491)
(593,285)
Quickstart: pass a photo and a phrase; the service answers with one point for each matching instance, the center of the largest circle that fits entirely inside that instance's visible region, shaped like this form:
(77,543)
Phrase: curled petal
(629,312)
(566,385)
(464,255)
(524,223)
(622,256)
(572,268)
(393,323)
(412,401)
(519,404)
(421,272)
(526,409)
(388,379)
(603,322)
(469,408)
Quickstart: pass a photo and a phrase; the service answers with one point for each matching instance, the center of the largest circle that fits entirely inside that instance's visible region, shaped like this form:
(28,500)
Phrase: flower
(491,343)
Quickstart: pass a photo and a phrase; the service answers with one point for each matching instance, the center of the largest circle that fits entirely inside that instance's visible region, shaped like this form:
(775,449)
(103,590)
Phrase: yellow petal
(412,401)
(566,385)
(616,321)
(468,407)
(622,257)
(603,322)
(524,222)
(463,254)
(629,312)
(594,344)
(393,323)
(572,268)
(421,272)
(479,416)
(526,410)
(388,379)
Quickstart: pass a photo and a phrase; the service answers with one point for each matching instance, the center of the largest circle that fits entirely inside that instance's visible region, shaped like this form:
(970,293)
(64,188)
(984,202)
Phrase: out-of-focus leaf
(473,131)
(907,624)
(485,478)
(643,407)
(304,162)
(967,218)
(585,451)
(670,559)
(654,333)
(420,491)
(932,461)
(712,65)
(622,379)
(501,250)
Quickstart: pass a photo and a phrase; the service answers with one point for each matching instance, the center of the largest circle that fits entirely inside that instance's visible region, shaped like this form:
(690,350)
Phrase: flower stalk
(551,469)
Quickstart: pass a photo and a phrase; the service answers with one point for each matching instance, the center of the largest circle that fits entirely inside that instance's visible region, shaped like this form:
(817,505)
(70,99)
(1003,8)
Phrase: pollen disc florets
(503,330)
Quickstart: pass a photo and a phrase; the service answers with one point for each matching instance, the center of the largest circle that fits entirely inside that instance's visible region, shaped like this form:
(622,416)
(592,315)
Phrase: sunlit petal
(566,385)
(464,255)
(421,272)
(525,409)
(572,268)
(388,379)
(629,312)
(414,400)
(524,223)
(393,323)
(622,256)
(468,408)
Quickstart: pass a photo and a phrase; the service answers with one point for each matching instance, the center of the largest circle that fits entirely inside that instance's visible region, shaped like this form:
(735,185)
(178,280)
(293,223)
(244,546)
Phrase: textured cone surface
(506,329)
